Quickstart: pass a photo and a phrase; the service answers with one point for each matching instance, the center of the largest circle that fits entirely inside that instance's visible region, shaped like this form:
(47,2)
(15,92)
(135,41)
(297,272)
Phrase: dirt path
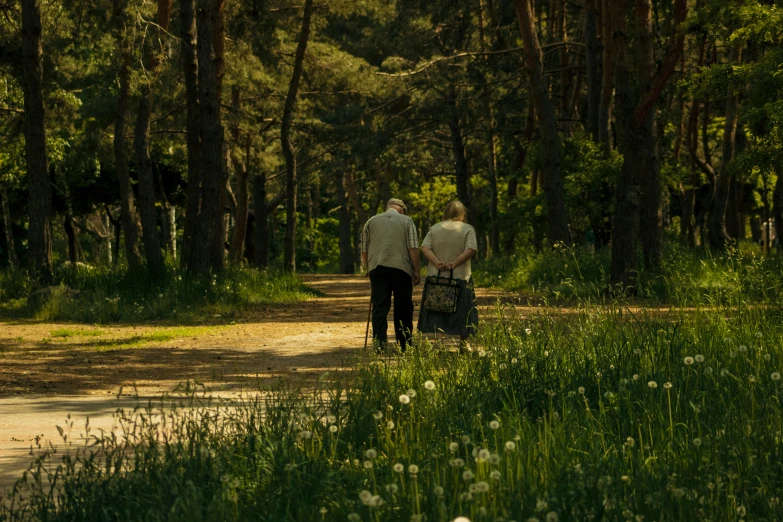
(48,371)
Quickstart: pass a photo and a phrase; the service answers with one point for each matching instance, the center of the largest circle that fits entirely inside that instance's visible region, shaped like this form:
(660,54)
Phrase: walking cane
(367,331)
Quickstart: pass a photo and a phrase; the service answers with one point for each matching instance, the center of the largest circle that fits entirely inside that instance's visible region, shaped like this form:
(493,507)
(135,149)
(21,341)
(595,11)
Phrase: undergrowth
(603,416)
(107,295)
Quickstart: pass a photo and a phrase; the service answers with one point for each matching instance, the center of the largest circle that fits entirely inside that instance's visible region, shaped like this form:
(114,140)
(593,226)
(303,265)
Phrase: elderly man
(390,251)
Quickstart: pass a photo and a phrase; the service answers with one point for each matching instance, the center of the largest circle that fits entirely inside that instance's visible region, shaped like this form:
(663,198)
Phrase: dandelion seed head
(552,516)
(306,434)
(528,331)
(365,497)
(438,491)
(511,445)
(630,442)
(697,442)
(453,447)
(390,425)
(405,399)
(482,487)
(541,505)
(333,428)
(392,488)
(429,385)
(742,348)
(466,439)
(411,393)
(413,469)
(494,474)
(635,377)
(467,475)
(399,468)
(775,376)
(625,478)
(652,384)
(514,360)
(331,419)
(483,454)
(367,464)
(688,360)
(494,458)
(494,424)
(667,385)
(699,358)
(324,511)
(377,415)
(482,353)
(456,463)
(371,454)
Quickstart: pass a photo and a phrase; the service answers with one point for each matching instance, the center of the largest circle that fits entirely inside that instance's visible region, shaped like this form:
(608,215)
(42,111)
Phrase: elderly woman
(450,245)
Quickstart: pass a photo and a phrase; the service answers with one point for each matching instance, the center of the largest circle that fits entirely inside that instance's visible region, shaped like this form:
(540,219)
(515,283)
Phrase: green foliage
(104,295)
(600,417)
(689,277)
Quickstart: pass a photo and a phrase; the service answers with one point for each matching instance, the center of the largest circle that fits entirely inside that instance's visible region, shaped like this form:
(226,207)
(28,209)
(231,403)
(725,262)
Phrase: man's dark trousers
(384,282)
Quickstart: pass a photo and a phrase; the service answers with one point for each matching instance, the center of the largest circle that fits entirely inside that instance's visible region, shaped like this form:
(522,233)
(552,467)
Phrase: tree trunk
(241,169)
(593,61)
(716,231)
(39,236)
(520,155)
(557,223)
(608,80)
(777,207)
(127,207)
(208,253)
(458,148)
(147,210)
(146,179)
(190,67)
(649,174)
(261,224)
(9,234)
(289,248)
(494,242)
(346,245)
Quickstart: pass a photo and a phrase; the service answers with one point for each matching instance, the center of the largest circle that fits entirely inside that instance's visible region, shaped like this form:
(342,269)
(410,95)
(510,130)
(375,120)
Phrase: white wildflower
(405,399)
(399,468)
(494,424)
(688,361)
(413,469)
(511,445)
(652,384)
(429,385)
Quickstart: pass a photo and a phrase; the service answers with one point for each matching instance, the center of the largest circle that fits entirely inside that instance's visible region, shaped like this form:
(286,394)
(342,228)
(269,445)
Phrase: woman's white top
(449,239)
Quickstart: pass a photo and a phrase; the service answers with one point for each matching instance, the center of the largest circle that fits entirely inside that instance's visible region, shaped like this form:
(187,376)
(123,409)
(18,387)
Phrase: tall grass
(688,276)
(104,295)
(603,416)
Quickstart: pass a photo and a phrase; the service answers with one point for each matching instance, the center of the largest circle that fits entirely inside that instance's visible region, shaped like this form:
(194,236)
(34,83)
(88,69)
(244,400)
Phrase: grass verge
(602,417)
(100,296)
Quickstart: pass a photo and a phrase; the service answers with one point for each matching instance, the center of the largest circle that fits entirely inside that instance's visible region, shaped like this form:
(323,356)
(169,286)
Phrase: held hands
(416,279)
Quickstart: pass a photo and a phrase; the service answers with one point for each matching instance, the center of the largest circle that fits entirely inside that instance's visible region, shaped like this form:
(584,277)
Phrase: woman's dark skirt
(463,322)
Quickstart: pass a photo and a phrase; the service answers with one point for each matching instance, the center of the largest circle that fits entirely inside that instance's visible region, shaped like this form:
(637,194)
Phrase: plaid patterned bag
(441,294)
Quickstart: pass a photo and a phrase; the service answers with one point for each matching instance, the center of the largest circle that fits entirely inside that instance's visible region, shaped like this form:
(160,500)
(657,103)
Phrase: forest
(270,131)
(184,188)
